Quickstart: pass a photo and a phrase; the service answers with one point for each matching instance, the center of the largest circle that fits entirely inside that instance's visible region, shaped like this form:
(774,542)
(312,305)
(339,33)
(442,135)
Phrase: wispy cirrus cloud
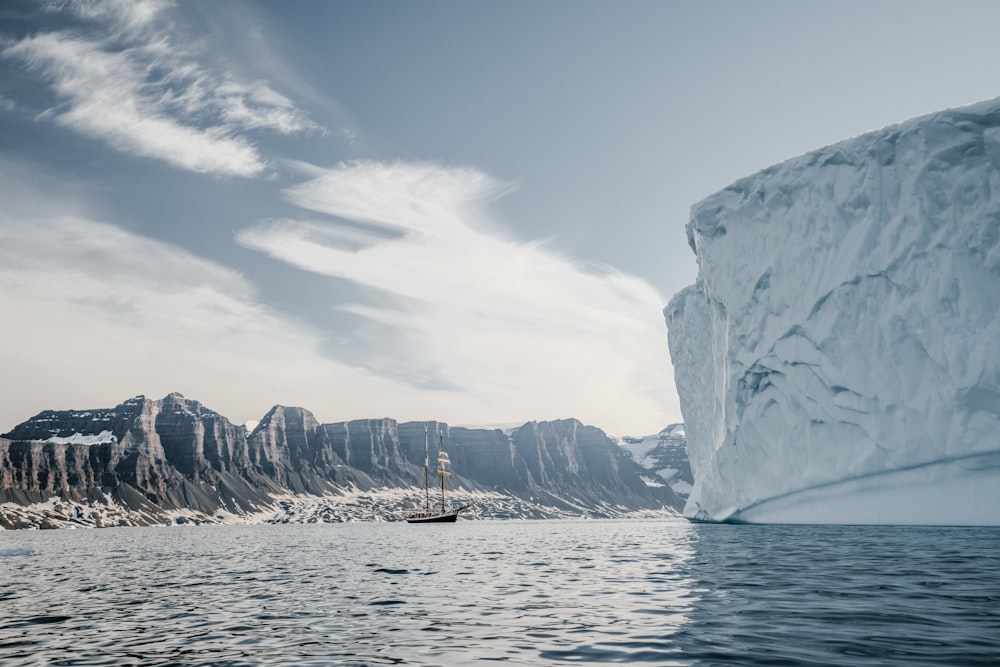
(126,16)
(514,326)
(127,77)
(94,313)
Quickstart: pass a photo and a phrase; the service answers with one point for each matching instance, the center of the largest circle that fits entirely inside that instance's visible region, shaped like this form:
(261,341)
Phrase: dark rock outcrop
(295,451)
(670,455)
(157,456)
(582,465)
(173,452)
(664,455)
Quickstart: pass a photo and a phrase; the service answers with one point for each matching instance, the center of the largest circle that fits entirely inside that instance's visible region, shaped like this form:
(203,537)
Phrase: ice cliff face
(838,359)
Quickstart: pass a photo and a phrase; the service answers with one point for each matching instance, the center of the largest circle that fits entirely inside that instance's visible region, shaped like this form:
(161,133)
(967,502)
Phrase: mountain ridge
(163,458)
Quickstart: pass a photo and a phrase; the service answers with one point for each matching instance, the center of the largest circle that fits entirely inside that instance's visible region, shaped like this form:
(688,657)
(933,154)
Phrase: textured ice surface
(838,359)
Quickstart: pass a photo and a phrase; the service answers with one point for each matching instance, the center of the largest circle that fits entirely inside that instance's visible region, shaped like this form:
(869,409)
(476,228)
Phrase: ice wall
(838,359)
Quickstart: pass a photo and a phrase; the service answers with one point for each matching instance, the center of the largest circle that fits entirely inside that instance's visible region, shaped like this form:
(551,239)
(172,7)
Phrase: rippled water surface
(517,593)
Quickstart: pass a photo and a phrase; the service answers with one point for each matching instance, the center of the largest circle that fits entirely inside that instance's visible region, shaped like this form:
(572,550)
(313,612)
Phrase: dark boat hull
(440,517)
(446,517)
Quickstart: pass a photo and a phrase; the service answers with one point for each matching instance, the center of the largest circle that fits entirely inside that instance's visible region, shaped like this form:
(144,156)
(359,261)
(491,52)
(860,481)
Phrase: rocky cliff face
(373,447)
(295,451)
(491,458)
(144,453)
(156,457)
(664,455)
(575,463)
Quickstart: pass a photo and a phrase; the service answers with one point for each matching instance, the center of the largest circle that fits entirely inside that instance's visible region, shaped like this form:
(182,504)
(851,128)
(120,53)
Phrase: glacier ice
(838,358)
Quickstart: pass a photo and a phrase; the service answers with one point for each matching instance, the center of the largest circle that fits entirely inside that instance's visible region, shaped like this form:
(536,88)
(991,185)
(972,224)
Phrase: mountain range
(171,460)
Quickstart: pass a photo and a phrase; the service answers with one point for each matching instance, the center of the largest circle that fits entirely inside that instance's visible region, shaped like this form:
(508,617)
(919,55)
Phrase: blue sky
(464,211)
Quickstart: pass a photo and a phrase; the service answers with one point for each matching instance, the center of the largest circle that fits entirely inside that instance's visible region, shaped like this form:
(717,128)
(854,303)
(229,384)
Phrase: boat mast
(427,474)
(442,462)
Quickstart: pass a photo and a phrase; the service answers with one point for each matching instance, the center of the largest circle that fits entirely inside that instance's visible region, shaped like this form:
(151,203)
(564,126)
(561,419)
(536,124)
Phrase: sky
(463,211)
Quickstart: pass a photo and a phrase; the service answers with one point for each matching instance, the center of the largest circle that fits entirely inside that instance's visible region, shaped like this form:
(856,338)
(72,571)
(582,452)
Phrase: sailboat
(433,515)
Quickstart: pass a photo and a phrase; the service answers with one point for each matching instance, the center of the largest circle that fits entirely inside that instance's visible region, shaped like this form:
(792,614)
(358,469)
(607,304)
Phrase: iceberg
(838,357)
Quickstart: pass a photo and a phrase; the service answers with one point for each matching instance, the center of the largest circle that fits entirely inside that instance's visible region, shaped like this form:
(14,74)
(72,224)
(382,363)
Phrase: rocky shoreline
(356,506)
(173,460)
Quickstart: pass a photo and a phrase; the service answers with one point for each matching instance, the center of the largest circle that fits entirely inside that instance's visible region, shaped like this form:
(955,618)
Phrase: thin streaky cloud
(101,89)
(258,106)
(136,86)
(478,311)
(127,16)
(418,197)
(345,237)
(122,312)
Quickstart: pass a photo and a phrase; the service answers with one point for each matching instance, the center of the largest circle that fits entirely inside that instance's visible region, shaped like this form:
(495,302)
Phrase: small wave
(20,551)
(45,620)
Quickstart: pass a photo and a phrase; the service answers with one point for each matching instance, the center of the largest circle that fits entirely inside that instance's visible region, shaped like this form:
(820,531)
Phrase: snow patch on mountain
(82,439)
(350,505)
(665,456)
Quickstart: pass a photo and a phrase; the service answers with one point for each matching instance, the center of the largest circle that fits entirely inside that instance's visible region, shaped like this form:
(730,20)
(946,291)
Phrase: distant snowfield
(81,439)
(350,506)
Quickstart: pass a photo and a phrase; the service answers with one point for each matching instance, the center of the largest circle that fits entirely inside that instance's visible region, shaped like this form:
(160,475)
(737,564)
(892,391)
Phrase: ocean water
(501,592)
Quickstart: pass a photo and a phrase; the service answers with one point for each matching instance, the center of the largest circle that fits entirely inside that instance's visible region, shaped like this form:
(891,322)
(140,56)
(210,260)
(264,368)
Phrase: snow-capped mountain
(153,461)
(664,455)
(838,359)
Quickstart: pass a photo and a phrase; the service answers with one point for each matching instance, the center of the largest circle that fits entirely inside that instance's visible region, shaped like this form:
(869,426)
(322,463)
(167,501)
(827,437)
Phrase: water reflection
(524,593)
(646,593)
(843,596)
(521,592)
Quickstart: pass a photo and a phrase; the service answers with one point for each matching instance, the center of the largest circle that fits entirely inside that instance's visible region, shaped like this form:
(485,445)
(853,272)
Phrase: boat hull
(440,517)
(446,517)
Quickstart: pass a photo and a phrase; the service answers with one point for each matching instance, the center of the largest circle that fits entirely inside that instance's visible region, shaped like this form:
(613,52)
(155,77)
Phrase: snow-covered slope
(664,455)
(838,359)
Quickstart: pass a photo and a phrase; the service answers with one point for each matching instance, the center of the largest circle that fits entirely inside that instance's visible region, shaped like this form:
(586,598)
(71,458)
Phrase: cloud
(94,314)
(420,197)
(104,104)
(126,82)
(516,327)
(127,16)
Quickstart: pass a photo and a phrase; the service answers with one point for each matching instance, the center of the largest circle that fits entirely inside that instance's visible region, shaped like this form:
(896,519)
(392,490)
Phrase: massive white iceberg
(838,358)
